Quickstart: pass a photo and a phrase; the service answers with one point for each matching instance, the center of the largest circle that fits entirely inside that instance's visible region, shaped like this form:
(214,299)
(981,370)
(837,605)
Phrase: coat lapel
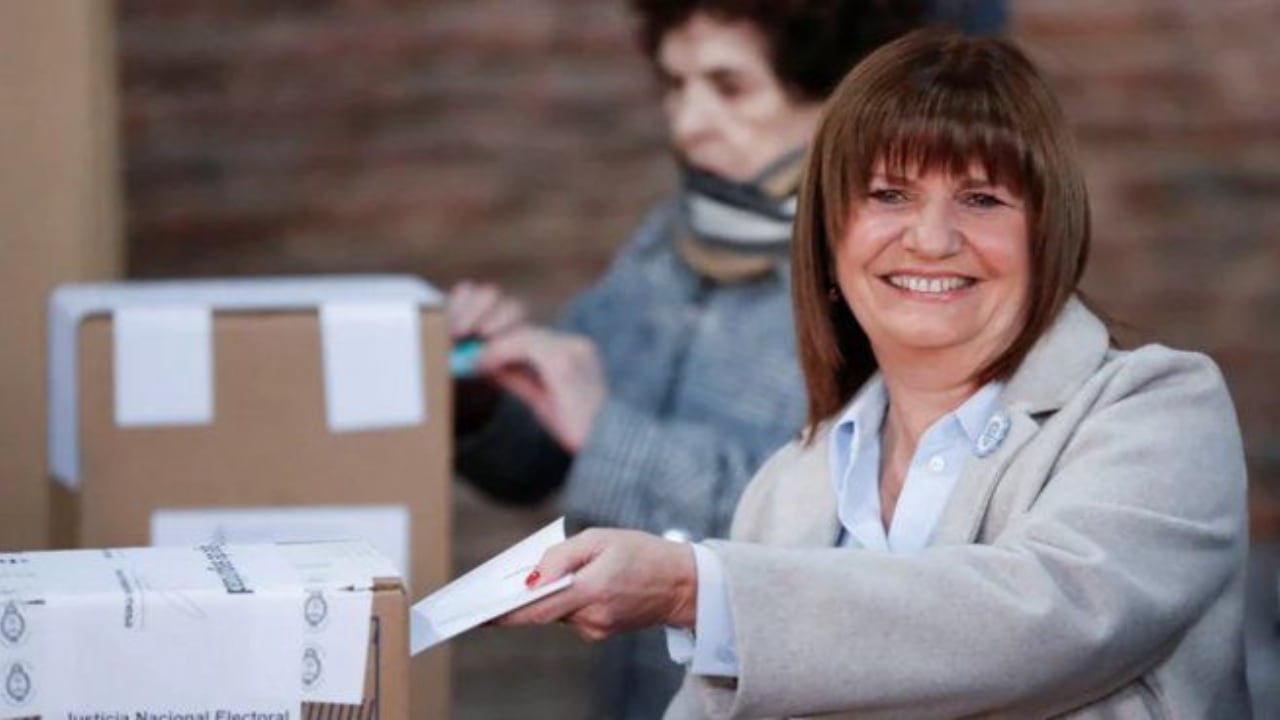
(816,520)
(815,523)
(1068,354)
(963,514)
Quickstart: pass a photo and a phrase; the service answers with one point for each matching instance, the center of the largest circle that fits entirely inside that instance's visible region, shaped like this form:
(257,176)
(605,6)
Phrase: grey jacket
(1092,566)
(704,385)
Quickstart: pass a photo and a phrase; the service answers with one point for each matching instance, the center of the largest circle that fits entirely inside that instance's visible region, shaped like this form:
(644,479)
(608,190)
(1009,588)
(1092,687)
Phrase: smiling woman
(1012,518)
(936,266)
(982,122)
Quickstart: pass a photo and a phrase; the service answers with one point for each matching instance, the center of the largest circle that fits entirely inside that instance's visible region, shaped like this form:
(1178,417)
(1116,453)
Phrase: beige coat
(1092,566)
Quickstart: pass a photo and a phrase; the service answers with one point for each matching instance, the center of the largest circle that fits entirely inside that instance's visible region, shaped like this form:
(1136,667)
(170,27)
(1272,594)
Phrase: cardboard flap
(70,305)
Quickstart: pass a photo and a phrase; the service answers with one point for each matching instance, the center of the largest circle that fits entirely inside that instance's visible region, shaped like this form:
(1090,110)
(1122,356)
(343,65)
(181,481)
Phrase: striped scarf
(733,231)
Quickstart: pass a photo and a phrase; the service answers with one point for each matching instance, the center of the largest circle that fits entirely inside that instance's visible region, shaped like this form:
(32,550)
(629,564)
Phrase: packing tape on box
(385,527)
(372,365)
(163,366)
(185,630)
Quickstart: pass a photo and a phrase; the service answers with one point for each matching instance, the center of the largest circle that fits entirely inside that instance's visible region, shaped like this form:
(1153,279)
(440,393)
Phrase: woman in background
(664,387)
(1012,517)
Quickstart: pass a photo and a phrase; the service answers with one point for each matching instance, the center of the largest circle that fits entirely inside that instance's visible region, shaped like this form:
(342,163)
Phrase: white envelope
(489,591)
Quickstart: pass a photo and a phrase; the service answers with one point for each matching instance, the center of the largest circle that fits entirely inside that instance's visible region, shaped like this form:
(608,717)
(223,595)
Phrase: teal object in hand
(465,358)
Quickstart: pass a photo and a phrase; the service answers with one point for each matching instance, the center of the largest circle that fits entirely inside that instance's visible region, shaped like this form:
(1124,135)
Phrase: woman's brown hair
(934,100)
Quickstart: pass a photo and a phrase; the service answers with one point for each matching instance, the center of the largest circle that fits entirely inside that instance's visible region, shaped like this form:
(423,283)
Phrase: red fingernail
(532,579)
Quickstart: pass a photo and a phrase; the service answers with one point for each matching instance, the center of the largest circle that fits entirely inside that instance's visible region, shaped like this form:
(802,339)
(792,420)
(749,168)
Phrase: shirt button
(937,463)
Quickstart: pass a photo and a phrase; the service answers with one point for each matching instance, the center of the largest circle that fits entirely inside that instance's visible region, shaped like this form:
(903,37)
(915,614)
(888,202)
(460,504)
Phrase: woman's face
(726,110)
(936,262)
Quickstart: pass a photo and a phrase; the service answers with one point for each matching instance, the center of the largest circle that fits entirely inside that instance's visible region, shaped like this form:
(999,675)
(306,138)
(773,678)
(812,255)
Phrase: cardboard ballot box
(217,632)
(257,410)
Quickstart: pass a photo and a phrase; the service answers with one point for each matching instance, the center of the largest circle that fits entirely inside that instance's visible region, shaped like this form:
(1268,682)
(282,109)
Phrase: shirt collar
(974,413)
(860,422)
(857,425)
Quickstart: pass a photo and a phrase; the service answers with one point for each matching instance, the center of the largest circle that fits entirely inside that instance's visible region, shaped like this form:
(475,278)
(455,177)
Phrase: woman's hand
(625,580)
(481,310)
(558,375)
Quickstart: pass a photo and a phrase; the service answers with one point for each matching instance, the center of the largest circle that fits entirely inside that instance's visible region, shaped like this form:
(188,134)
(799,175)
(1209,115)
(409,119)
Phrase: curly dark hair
(812,43)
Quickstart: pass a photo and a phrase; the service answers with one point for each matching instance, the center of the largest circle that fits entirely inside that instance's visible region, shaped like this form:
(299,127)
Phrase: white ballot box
(257,410)
(215,632)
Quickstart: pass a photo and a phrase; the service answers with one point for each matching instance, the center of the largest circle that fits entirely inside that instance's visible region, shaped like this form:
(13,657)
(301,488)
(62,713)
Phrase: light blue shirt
(854,445)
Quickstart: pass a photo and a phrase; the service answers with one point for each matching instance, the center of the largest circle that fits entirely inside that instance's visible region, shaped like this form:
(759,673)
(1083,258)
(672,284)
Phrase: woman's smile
(929,286)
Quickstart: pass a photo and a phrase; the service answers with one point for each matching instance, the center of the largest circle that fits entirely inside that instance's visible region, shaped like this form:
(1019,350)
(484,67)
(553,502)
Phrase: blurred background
(519,141)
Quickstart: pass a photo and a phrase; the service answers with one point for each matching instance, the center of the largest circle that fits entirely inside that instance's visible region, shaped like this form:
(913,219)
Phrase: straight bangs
(923,122)
(943,144)
(945,130)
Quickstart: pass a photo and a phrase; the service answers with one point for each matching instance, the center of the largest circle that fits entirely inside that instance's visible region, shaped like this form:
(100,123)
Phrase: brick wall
(482,138)
(518,140)
(1178,117)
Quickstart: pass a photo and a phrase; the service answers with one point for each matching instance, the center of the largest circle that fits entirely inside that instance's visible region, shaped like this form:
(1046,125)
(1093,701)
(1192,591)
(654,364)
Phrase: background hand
(625,580)
(481,310)
(558,375)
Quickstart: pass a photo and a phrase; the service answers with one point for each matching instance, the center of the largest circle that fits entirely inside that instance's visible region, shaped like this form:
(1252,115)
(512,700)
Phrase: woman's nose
(932,234)
(692,117)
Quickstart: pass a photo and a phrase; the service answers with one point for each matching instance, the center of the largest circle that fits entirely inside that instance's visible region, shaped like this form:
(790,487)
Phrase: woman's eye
(982,200)
(728,88)
(890,196)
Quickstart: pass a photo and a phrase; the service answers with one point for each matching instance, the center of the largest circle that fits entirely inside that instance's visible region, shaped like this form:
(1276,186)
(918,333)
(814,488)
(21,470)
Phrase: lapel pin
(992,434)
